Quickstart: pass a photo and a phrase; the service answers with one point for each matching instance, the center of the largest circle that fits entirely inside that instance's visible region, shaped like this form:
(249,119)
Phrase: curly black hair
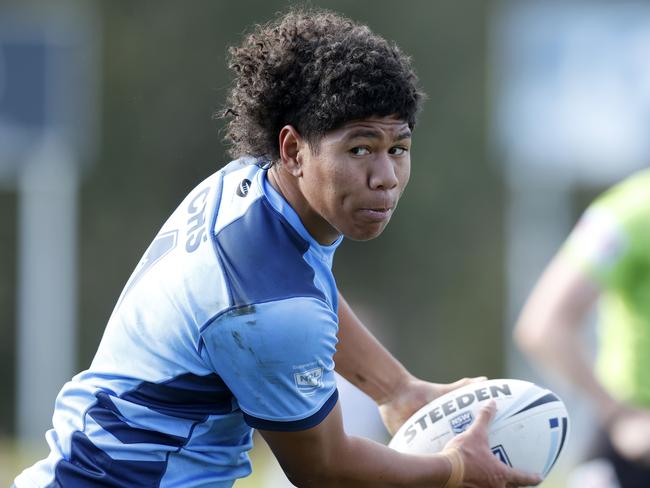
(314,70)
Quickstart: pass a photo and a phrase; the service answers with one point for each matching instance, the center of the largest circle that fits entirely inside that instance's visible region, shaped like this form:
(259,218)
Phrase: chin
(364,234)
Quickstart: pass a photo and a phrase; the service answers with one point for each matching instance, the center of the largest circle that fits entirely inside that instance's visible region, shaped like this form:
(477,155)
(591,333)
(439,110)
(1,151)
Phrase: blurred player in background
(607,259)
(232,320)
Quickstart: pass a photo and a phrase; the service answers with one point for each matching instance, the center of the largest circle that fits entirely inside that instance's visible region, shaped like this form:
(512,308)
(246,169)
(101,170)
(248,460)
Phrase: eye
(360,151)
(397,151)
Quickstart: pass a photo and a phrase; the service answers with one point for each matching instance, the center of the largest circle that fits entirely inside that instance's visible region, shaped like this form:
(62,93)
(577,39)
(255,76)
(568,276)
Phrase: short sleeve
(277,359)
(597,244)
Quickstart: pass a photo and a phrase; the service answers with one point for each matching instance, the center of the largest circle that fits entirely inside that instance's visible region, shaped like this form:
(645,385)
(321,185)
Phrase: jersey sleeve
(277,359)
(598,243)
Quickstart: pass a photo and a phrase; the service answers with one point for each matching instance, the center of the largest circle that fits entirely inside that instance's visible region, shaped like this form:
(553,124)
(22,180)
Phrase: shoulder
(277,359)
(262,254)
(300,316)
(614,229)
(627,199)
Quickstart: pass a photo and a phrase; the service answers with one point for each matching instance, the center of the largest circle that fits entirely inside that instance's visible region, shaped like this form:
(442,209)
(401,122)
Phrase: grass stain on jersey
(237,337)
(245,310)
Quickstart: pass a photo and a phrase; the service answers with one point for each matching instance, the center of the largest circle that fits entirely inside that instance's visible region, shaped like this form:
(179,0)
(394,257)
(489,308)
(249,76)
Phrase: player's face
(352,182)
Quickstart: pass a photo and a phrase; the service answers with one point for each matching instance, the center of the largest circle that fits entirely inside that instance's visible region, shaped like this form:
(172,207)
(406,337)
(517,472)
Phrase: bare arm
(326,456)
(549,331)
(363,361)
(550,325)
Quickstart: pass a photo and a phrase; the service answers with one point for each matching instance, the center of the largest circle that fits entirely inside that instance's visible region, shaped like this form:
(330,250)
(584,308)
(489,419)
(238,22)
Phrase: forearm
(550,327)
(563,353)
(363,463)
(326,456)
(363,360)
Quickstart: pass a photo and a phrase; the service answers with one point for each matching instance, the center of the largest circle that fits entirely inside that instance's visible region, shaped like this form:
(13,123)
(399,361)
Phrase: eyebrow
(374,134)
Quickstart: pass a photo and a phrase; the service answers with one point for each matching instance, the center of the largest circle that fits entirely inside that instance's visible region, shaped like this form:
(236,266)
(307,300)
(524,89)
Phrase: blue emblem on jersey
(459,423)
(244,186)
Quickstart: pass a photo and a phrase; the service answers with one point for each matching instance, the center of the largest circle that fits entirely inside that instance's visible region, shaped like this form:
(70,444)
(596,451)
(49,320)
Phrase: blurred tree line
(431,285)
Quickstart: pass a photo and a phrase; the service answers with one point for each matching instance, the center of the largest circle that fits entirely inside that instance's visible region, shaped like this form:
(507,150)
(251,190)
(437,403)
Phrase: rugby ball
(528,432)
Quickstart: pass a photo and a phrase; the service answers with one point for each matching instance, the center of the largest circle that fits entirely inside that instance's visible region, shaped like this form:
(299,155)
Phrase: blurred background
(106,121)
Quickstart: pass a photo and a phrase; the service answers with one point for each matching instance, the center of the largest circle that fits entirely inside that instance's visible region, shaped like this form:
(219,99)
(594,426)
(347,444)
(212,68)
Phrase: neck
(287,185)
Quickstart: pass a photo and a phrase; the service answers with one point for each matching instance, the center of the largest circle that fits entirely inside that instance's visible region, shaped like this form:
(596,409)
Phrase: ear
(291,145)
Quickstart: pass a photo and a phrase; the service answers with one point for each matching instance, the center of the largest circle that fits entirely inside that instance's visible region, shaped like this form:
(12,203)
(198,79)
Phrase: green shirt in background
(612,244)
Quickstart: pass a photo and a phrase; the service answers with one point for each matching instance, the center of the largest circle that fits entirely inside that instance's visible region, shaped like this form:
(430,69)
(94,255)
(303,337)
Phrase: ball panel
(534,441)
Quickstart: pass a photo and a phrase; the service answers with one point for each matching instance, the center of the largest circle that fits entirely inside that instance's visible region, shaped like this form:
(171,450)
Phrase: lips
(378,214)
(382,203)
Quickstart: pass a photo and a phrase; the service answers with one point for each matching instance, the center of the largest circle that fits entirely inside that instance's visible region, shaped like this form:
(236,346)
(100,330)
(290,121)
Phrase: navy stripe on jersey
(90,467)
(261,255)
(296,425)
(106,414)
(187,396)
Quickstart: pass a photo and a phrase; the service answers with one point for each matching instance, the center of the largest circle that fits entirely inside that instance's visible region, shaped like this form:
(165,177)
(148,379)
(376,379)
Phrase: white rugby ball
(528,432)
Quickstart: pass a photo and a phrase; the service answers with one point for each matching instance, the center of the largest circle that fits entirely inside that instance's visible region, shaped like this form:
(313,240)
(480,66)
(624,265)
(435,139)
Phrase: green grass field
(14,458)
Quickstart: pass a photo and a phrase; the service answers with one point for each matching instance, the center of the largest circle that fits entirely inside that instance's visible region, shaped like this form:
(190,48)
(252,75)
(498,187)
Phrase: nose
(382,174)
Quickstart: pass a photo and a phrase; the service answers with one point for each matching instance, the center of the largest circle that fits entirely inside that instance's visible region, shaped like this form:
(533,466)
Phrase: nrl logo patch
(459,423)
(309,381)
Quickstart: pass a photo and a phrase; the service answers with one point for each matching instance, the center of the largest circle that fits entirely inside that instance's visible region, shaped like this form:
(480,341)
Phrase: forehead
(391,128)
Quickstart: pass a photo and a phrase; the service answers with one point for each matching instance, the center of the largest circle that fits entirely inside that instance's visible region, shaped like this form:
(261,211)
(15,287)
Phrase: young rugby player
(232,321)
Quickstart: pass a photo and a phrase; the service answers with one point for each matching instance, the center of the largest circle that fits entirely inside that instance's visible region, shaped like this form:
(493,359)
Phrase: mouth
(376,214)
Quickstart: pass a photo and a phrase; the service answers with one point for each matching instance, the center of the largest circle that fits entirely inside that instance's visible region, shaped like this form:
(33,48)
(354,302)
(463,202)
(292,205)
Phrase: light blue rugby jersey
(228,323)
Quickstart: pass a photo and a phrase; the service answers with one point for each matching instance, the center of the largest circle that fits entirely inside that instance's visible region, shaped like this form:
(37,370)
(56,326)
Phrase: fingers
(485,415)
(521,478)
(466,381)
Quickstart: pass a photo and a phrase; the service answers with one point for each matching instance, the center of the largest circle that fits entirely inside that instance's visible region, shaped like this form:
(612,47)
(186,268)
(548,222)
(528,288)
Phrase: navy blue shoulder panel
(262,258)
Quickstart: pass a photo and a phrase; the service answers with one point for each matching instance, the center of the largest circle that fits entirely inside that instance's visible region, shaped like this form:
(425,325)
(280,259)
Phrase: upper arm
(562,297)
(277,359)
(598,245)
(572,282)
